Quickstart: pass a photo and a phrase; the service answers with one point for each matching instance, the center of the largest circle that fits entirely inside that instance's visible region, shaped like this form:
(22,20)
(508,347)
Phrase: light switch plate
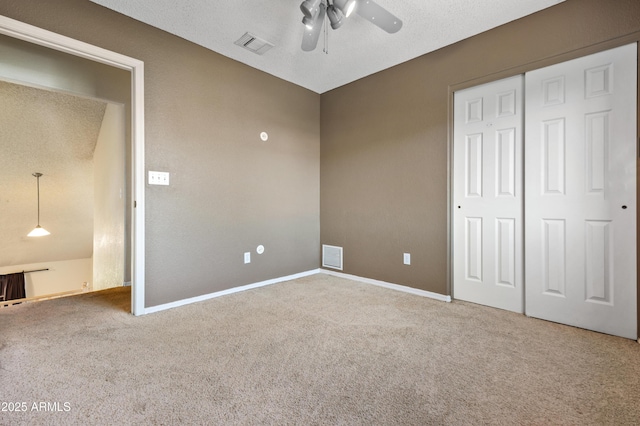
(247,257)
(158,178)
(407,258)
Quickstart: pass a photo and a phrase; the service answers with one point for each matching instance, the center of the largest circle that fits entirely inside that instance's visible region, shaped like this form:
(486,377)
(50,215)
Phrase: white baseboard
(398,287)
(183,302)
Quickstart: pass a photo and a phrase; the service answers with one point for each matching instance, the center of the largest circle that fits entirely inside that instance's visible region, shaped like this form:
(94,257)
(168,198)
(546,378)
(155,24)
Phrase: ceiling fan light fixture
(310,8)
(335,17)
(308,22)
(346,6)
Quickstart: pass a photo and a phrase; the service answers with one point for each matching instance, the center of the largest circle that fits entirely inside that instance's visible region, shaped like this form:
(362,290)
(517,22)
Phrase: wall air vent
(331,257)
(253,43)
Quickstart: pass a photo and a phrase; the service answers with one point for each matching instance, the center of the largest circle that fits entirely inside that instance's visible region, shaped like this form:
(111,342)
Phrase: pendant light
(38,231)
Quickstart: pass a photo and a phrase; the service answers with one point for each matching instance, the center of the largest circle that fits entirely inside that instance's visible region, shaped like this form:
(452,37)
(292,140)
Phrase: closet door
(487,195)
(580,192)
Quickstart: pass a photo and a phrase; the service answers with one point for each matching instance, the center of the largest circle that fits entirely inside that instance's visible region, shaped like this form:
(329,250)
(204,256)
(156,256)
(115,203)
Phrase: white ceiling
(54,134)
(355,50)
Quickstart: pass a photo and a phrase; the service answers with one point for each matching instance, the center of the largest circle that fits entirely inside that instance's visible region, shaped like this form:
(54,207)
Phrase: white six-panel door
(487,195)
(580,192)
(576,197)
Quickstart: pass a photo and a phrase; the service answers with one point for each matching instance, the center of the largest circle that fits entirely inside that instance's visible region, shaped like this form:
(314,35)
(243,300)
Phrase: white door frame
(39,36)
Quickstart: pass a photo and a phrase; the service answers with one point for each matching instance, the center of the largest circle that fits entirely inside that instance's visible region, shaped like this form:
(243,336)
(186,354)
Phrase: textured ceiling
(355,50)
(54,134)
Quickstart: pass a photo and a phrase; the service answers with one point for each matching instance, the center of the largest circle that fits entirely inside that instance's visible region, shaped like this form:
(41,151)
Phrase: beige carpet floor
(317,350)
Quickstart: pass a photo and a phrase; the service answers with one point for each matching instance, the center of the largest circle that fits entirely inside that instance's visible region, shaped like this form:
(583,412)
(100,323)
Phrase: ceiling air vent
(254,43)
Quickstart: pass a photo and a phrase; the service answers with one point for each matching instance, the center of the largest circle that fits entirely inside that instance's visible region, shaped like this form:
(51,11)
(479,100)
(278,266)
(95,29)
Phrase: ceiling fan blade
(311,36)
(378,16)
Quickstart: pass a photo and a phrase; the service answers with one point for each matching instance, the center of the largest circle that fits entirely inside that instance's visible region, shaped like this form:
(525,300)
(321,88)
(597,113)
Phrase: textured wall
(384,154)
(229,190)
(109,201)
(54,134)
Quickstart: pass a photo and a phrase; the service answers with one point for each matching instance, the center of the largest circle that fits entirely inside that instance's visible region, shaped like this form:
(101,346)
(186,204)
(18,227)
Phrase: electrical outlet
(407,258)
(158,178)
(247,257)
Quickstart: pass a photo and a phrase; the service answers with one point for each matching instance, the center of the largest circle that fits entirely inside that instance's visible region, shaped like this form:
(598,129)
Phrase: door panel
(488,195)
(580,192)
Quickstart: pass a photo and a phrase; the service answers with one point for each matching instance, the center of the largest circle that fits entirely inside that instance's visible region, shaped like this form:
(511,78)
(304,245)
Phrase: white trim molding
(39,36)
(397,287)
(204,297)
(233,290)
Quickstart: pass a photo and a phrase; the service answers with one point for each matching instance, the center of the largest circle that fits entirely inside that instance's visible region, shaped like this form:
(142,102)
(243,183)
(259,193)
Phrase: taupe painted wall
(385,138)
(229,190)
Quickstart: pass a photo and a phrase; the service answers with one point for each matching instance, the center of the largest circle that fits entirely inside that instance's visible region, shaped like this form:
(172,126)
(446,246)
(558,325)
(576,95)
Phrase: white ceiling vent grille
(331,257)
(254,43)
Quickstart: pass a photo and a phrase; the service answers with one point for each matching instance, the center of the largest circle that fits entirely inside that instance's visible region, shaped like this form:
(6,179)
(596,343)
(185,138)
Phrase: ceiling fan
(315,12)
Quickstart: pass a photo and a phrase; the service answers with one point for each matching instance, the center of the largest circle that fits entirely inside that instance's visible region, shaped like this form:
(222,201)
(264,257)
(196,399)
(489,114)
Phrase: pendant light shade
(38,231)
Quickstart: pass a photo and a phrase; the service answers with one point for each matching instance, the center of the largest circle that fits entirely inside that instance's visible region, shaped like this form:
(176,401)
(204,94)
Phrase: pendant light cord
(37,175)
(38,179)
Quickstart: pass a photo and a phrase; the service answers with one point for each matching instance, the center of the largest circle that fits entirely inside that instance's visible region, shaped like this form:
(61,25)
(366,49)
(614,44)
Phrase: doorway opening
(135,118)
